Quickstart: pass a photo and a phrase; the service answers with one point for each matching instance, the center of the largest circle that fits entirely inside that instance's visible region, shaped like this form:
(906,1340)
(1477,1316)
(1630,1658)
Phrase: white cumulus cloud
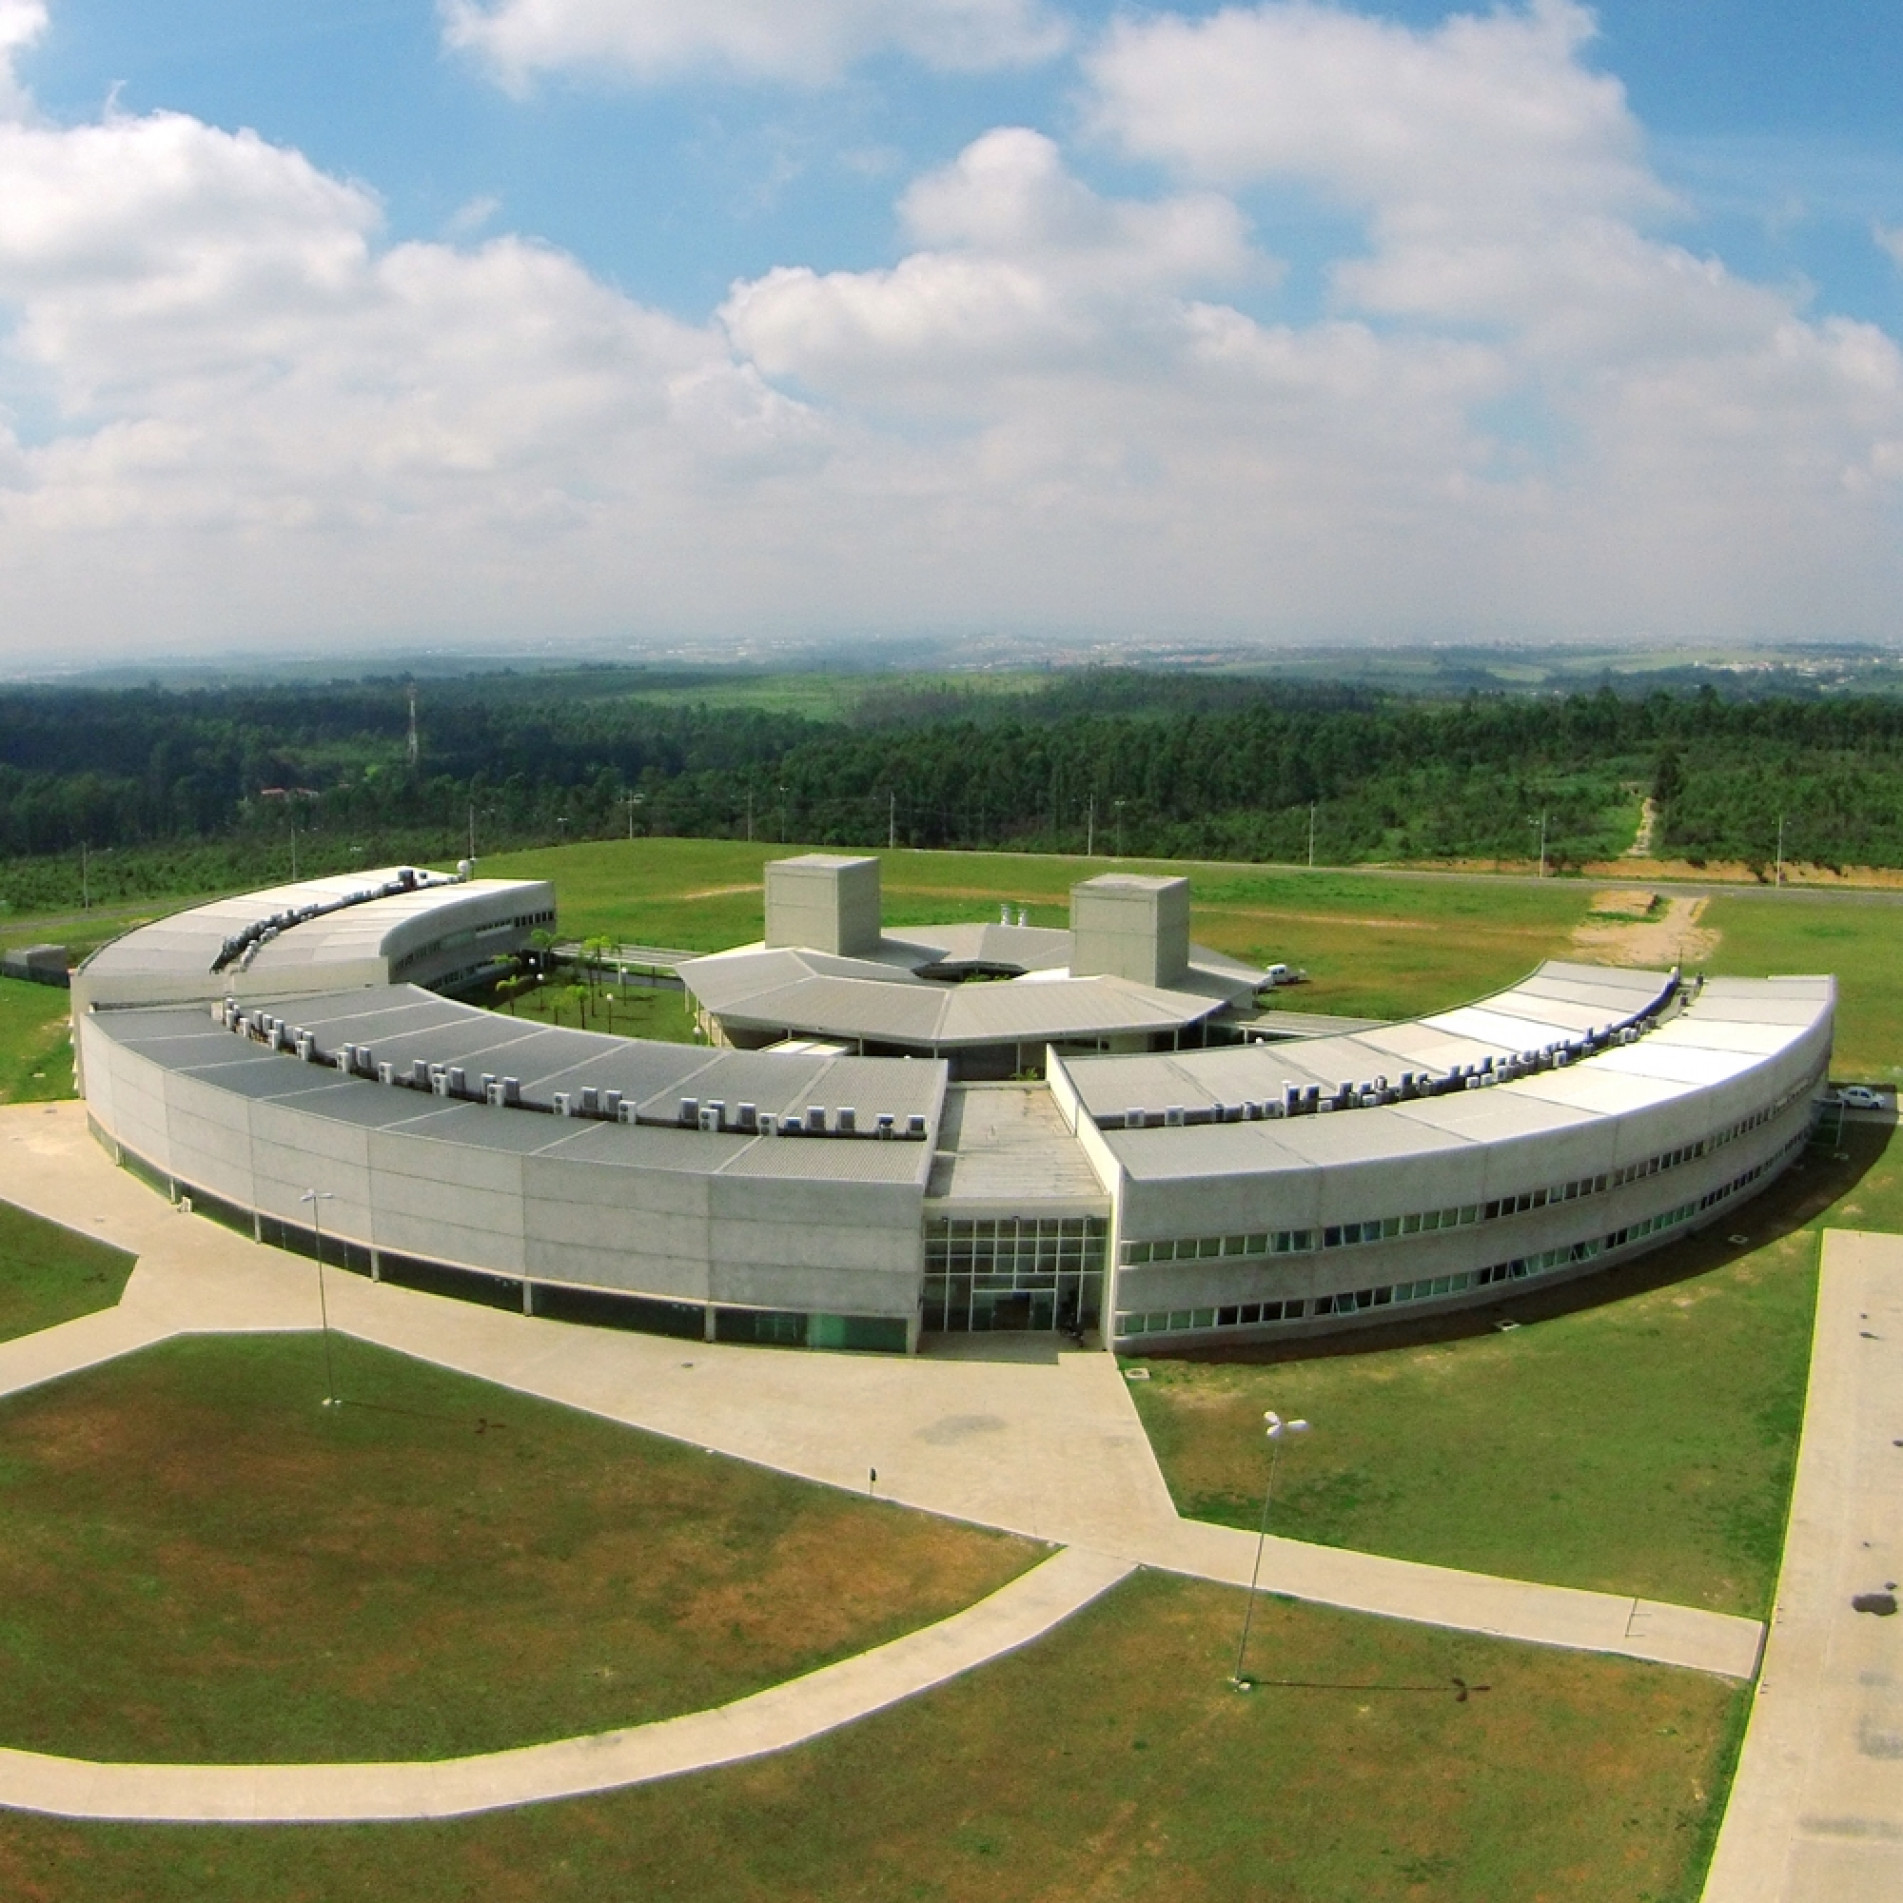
(233,409)
(1023,266)
(811,42)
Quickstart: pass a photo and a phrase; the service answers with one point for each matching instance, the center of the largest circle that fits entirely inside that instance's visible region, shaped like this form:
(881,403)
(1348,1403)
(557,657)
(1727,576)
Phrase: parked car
(1860,1097)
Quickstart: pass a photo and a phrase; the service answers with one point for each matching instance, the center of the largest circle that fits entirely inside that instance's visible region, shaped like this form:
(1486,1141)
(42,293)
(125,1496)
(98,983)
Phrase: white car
(1860,1097)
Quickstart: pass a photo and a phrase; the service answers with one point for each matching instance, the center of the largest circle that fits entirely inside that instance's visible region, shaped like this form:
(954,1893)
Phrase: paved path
(773,1720)
(1002,1431)
(1816,1809)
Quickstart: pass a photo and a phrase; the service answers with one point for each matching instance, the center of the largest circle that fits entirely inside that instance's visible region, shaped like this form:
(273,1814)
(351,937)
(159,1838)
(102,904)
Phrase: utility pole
(85,894)
(411,749)
(293,845)
(1542,845)
(317,1198)
(1311,835)
(630,804)
(891,822)
(1090,829)
(1780,850)
(749,816)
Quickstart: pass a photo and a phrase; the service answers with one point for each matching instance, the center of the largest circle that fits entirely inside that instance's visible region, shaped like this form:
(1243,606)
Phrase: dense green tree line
(1154,764)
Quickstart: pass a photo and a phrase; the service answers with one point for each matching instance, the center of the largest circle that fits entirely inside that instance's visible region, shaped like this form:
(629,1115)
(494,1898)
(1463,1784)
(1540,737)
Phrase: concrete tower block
(1123,926)
(823,903)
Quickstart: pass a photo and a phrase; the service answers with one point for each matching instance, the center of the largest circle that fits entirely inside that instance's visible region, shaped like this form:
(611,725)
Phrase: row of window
(1380,1229)
(450,941)
(983,1229)
(1351,1301)
(980,1304)
(1008,1247)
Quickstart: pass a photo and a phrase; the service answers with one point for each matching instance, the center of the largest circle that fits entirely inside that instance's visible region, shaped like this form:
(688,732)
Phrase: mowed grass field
(1109,1761)
(1374,947)
(202,1562)
(50,1275)
(36,1042)
(634,1010)
(1859,938)
(1635,1434)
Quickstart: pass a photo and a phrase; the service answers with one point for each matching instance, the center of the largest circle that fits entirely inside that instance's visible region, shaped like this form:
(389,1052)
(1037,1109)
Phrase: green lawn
(1859,939)
(50,1275)
(202,1562)
(635,1010)
(1373,946)
(36,1044)
(1110,1761)
(1637,1434)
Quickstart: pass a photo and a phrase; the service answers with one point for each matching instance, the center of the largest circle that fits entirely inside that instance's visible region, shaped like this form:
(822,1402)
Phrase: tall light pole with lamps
(314,1197)
(1278,1430)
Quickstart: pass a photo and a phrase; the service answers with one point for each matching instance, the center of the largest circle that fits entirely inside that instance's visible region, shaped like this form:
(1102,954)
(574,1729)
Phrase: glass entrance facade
(1014,1272)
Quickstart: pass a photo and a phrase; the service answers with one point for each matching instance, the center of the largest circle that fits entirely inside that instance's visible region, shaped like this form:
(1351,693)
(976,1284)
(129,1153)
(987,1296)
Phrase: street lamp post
(1542,826)
(314,1197)
(1277,1430)
(1118,804)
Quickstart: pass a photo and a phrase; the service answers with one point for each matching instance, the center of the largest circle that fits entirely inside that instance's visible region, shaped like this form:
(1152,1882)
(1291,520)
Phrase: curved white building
(244,1053)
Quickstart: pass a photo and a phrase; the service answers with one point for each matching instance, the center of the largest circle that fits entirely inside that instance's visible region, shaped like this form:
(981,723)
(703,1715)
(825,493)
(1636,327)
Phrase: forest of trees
(1162,764)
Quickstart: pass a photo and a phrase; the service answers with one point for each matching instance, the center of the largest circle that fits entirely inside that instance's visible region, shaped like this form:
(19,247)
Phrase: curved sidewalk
(774,1720)
(1007,1433)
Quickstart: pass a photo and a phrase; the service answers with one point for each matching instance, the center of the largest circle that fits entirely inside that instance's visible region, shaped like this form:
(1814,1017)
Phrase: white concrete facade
(1253,1191)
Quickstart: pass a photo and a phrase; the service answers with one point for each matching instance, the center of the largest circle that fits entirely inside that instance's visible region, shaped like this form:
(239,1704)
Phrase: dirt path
(1641,847)
(1673,939)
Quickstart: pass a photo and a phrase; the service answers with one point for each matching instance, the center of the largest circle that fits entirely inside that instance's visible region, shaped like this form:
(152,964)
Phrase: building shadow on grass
(1825,1174)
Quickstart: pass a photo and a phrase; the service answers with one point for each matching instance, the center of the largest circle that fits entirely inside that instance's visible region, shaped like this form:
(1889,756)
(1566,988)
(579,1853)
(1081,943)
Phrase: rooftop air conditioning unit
(748,1116)
(590,1100)
(816,1119)
(611,1104)
(458,1081)
(492,1093)
(848,1120)
(511,1090)
(386,1073)
(885,1123)
(915,1125)
(690,1112)
(1135,1119)
(564,1104)
(1173,1117)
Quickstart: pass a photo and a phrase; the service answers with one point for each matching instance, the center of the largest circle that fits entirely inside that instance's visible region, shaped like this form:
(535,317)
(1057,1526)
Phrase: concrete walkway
(1816,1809)
(1003,1431)
(1007,1432)
(773,1720)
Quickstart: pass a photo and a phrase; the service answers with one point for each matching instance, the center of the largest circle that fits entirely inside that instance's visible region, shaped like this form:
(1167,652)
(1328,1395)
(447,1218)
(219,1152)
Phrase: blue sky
(929,320)
(1781,126)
